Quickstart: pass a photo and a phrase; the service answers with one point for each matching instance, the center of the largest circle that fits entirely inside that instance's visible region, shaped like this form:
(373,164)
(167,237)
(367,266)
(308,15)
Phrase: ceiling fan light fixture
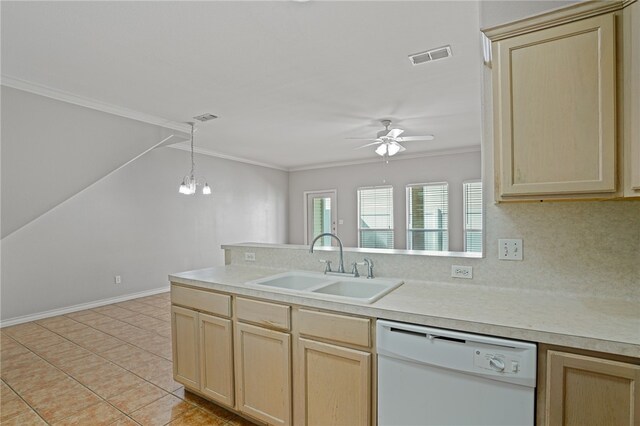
(393,149)
(382,149)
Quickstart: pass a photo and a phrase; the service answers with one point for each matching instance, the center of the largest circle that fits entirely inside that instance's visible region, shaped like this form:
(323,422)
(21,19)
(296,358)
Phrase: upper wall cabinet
(631,99)
(556,113)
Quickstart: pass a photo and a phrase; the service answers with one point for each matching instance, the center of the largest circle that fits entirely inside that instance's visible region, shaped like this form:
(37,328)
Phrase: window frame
(464,216)
(409,230)
(358,218)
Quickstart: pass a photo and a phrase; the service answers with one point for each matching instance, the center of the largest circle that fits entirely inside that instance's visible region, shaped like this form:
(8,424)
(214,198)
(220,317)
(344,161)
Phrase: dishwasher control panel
(497,361)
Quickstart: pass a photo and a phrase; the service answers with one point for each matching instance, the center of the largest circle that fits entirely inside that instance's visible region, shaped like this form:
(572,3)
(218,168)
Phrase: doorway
(320,216)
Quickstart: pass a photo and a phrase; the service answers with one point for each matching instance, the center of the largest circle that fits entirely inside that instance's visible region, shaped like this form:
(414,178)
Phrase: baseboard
(80,307)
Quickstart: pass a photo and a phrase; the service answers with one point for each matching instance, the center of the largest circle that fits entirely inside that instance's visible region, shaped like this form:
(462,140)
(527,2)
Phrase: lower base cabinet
(216,359)
(263,373)
(184,332)
(589,391)
(335,385)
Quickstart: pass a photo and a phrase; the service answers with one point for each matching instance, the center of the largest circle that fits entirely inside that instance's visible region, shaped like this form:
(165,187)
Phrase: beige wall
(131,223)
(453,169)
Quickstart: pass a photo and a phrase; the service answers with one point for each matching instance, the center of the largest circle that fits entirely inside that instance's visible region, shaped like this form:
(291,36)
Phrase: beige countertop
(599,324)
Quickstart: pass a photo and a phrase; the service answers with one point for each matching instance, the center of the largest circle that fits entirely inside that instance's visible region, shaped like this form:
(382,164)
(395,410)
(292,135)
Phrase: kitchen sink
(294,280)
(328,286)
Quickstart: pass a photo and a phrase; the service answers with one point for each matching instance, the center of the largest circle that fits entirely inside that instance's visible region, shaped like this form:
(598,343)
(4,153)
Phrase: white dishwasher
(429,376)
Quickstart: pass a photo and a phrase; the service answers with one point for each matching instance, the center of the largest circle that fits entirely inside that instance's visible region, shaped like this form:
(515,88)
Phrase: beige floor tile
(63,353)
(79,365)
(137,397)
(60,401)
(100,414)
(162,411)
(239,421)
(45,377)
(155,368)
(116,385)
(9,348)
(12,406)
(22,329)
(198,417)
(204,404)
(30,418)
(125,421)
(166,382)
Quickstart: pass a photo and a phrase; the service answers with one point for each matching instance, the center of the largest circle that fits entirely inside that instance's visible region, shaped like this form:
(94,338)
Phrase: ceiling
(289,80)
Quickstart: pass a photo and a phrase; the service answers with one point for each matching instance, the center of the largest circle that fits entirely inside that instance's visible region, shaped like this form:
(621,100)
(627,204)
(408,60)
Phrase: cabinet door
(335,385)
(555,117)
(263,373)
(586,391)
(184,334)
(216,359)
(632,98)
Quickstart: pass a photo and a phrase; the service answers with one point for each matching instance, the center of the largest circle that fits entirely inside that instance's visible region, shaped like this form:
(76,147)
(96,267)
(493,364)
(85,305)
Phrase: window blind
(472,216)
(428,217)
(375,217)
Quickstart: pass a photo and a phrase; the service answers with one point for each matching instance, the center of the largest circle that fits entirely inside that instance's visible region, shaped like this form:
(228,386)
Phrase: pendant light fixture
(190,183)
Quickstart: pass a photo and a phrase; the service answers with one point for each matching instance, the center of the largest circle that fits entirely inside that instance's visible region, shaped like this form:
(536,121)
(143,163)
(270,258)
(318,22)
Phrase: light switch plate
(510,249)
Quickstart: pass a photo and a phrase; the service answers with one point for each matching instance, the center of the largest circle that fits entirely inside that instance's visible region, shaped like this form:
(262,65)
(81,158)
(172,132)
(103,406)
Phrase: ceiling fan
(389,140)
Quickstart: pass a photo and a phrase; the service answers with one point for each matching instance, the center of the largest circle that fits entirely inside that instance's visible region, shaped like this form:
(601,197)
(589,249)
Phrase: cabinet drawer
(339,328)
(263,313)
(215,303)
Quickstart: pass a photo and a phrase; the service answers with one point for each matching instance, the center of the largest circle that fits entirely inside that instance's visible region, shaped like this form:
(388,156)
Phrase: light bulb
(382,149)
(183,188)
(206,189)
(393,149)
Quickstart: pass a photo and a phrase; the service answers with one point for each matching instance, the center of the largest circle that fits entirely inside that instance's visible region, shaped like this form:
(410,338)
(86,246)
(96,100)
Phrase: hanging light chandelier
(190,183)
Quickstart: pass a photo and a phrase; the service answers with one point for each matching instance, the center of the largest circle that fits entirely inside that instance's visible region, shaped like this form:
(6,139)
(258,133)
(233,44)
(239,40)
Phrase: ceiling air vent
(206,117)
(430,55)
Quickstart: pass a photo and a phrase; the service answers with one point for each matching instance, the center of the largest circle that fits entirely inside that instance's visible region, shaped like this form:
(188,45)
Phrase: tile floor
(105,366)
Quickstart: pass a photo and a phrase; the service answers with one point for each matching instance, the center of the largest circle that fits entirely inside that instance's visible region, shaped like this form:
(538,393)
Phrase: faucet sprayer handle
(354,268)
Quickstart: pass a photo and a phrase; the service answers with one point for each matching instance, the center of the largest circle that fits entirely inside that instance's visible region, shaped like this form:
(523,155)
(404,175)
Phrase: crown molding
(71,98)
(185,146)
(552,18)
(452,151)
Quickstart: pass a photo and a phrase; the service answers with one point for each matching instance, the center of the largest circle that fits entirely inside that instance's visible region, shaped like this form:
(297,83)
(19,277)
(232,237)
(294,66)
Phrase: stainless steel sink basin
(328,286)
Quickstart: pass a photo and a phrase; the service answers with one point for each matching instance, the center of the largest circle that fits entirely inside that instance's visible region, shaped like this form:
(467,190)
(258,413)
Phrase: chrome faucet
(327,234)
(369,263)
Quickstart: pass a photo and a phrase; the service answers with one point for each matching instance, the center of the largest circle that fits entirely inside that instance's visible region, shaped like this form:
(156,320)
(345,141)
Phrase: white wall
(133,223)
(51,150)
(496,12)
(453,168)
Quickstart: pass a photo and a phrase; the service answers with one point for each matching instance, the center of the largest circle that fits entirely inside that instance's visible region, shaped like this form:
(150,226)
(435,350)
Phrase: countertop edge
(518,333)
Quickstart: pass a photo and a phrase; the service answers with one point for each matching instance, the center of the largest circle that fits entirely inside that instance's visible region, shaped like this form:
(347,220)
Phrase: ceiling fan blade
(416,138)
(394,133)
(369,144)
(402,148)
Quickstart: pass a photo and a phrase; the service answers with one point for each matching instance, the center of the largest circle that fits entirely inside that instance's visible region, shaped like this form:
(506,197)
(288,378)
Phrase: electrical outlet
(510,249)
(462,271)
(117,279)
(250,257)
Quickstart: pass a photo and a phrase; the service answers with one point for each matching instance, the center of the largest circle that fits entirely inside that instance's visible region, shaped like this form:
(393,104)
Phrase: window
(472,216)
(375,217)
(428,217)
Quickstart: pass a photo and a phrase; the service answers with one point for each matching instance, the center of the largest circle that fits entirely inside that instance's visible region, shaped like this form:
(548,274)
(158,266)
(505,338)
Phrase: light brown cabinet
(335,385)
(242,353)
(202,344)
(630,95)
(586,390)
(184,332)
(216,359)
(565,96)
(555,110)
(263,373)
